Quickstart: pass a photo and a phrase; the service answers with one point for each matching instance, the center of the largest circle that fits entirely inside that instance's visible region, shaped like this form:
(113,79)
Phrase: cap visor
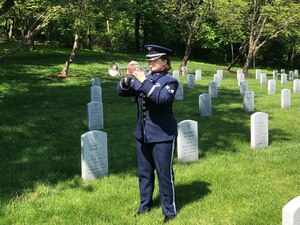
(154,56)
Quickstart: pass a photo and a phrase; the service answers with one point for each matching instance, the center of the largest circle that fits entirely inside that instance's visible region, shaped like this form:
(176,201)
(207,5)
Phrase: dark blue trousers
(159,157)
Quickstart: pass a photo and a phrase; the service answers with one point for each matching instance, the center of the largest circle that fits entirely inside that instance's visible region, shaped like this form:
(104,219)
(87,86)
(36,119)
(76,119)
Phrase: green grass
(42,119)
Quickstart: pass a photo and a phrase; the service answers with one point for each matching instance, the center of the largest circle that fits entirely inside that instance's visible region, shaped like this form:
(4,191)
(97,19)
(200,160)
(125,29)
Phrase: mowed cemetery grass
(42,120)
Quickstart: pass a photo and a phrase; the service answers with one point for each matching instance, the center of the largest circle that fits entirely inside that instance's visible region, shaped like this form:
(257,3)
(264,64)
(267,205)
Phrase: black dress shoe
(168,218)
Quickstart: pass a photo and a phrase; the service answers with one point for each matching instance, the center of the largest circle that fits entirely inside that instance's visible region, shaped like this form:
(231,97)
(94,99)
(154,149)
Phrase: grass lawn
(42,119)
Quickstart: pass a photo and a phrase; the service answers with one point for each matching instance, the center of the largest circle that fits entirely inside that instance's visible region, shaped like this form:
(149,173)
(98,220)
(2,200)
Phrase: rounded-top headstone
(291,212)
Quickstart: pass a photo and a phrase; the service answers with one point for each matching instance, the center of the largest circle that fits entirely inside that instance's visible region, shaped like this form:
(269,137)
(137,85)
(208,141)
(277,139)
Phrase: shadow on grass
(191,192)
(188,193)
(228,121)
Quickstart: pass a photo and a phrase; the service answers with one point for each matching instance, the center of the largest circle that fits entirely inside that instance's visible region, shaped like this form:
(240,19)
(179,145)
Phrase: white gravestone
(283,78)
(263,79)
(271,87)
(179,92)
(296,86)
(205,108)
(240,78)
(220,72)
(291,75)
(187,141)
(217,79)
(95,115)
(96,94)
(198,74)
(95,82)
(239,72)
(243,87)
(296,74)
(191,80)
(285,98)
(94,156)
(213,89)
(259,130)
(282,71)
(176,74)
(291,212)
(275,74)
(257,74)
(248,101)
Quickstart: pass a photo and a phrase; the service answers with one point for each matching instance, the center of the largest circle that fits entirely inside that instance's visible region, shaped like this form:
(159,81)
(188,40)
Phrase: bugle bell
(114,69)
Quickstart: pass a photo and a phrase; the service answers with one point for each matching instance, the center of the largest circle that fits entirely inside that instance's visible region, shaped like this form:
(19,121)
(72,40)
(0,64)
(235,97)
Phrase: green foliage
(230,20)
(255,21)
(122,25)
(42,119)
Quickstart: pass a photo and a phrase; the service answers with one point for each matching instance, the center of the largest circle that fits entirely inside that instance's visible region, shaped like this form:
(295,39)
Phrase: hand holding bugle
(115,70)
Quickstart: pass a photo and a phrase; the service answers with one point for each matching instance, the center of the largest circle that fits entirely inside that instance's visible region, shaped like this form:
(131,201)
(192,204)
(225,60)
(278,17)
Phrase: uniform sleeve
(161,94)
(128,90)
(124,89)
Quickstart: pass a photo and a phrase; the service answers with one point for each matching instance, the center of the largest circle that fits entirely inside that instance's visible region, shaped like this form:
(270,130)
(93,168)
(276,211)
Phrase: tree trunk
(234,61)
(65,71)
(29,35)
(187,53)
(10,30)
(109,33)
(20,45)
(249,58)
(88,42)
(242,50)
(30,44)
(291,51)
(232,52)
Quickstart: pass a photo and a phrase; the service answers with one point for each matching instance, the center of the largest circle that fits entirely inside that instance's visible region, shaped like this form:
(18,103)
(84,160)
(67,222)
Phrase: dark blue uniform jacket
(155,119)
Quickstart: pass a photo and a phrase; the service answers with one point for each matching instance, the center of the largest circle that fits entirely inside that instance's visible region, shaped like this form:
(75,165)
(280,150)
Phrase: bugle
(115,70)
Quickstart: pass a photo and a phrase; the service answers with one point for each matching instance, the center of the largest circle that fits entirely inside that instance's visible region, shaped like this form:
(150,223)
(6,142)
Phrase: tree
(190,15)
(80,11)
(41,19)
(268,19)
(231,29)
(258,21)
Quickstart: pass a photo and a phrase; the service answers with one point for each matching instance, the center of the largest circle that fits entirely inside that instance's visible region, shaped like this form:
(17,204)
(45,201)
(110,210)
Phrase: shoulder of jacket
(171,78)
